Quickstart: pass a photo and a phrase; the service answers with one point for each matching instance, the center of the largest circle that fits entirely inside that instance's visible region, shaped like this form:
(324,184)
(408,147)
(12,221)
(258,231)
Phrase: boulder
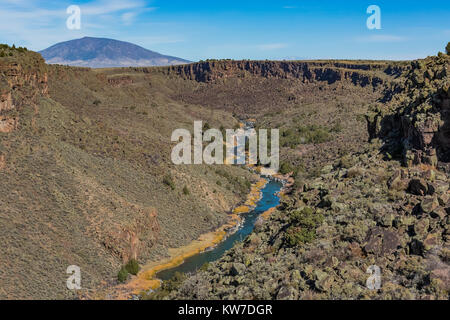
(431,241)
(421,227)
(418,187)
(381,241)
(287,293)
(429,204)
(237,269)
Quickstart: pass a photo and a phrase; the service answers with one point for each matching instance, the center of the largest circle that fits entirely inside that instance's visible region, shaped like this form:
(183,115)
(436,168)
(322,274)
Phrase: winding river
(268,200)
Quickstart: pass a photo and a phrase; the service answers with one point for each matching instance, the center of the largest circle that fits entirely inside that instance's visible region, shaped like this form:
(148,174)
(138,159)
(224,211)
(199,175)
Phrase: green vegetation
(307,134)
(6,50)
(204,267)
(447,48)
(167,180)
(132,267)
(122,275)
(239,184)
(303,227)
(166,287)
(286,167)
(186,190)
(346,161)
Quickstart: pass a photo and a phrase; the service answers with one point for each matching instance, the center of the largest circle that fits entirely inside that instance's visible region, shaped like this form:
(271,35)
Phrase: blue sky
(286,29)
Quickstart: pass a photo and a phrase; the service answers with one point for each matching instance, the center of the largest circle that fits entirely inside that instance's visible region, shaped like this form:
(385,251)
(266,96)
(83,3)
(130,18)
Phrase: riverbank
(145,280)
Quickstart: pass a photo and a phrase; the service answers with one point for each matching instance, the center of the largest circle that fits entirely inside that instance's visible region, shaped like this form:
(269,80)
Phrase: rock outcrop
(371,218)
(362,74)
(140,234)
(416,122)
(23,80)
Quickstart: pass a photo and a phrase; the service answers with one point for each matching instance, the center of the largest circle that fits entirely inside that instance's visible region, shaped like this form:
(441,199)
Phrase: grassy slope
(82,181)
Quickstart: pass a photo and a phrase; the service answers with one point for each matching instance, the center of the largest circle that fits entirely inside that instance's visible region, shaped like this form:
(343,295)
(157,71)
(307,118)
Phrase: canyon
(87,177)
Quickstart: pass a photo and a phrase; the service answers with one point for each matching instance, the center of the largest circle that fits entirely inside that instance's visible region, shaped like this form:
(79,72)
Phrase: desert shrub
(204,267)
(241,184)
(336,127)
(346,162)
(132,267)
(167,180)
(307,134)
(303,225)
(96,102)
(314,172)
(447,48)
(298,235)
(122,275)
(186,190)
(166,287)
(286,168)
(318,135)
(355,172)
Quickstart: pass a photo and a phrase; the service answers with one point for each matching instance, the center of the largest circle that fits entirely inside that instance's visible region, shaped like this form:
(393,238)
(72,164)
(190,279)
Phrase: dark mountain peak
(103,52)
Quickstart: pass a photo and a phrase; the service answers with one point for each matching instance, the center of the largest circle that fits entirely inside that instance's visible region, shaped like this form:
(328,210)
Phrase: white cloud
(107,6)
(272,46)
(381,38)
(38,24)
(128,17)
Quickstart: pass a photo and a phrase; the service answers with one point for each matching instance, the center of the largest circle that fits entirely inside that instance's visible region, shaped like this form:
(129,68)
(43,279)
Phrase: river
(268,200)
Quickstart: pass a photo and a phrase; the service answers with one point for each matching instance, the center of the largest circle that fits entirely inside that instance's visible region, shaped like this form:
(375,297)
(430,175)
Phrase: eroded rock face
(129,242)
(120,81)
(2,162)
(8,124)
(6,102)
(330,72)
(417,117)
(22,83)
(382,242)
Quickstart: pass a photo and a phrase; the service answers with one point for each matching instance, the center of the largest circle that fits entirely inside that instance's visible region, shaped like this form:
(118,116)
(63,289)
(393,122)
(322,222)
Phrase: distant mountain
(105,53)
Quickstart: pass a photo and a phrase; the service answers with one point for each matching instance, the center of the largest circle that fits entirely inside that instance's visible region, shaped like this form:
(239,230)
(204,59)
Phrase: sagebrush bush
(303,227)
(167,180)
(132,267)
(122,275)
(307,134)
(166,287)
(355,172)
